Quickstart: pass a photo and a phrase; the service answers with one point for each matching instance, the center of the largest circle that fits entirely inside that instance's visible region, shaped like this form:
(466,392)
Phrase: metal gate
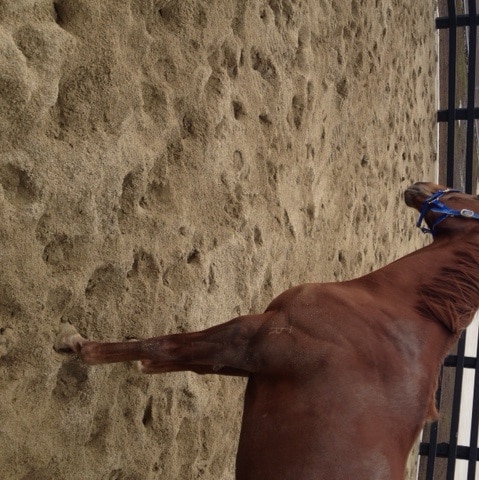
(441,455)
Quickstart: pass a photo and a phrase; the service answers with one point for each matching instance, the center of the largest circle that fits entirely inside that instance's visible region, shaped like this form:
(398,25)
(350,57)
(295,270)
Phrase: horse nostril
(411,195)
(408,198)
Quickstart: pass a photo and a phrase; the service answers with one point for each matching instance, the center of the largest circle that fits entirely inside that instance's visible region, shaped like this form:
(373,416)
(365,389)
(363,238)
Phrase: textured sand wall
(167,165)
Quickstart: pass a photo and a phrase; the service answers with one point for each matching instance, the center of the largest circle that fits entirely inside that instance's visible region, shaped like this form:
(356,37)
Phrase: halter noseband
(432,204)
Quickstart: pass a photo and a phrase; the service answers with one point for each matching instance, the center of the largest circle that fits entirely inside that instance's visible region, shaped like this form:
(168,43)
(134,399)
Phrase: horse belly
(305,433)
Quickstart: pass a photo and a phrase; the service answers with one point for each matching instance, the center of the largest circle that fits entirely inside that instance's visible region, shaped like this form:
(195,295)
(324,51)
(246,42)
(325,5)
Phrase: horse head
(443,209)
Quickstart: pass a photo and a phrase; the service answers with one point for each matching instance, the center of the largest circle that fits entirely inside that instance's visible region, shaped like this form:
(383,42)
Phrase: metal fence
(440,451)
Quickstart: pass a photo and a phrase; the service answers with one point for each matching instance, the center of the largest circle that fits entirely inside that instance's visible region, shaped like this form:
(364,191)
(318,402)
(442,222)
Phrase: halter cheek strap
(432,204)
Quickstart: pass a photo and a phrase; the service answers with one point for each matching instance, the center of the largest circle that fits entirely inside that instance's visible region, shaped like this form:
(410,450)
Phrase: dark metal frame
(450,115)
(432,448)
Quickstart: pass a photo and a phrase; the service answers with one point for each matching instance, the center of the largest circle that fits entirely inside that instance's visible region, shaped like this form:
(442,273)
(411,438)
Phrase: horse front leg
(93,353)
(223,349)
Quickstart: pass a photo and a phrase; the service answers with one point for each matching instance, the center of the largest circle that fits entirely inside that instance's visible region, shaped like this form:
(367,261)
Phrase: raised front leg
(224,349)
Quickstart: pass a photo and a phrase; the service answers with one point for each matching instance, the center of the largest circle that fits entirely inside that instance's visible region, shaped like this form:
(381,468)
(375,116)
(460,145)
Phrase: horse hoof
(66,338)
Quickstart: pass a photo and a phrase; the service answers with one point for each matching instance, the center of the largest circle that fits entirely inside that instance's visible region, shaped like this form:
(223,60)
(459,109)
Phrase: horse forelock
(452,295)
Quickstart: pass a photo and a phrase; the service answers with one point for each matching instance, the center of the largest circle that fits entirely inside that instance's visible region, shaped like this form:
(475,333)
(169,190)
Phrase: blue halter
(432,204)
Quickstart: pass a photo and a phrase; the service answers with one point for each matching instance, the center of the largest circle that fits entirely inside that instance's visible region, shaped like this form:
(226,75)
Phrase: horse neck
(441,280)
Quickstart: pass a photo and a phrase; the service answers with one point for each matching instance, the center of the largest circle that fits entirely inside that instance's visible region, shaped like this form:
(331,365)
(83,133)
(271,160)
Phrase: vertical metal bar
(472,464)
(456,406)
(433,434)
(470,188)
(451,86)
(471,90)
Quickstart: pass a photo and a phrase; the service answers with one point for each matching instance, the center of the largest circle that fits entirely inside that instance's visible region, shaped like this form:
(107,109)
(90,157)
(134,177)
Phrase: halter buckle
(466,213)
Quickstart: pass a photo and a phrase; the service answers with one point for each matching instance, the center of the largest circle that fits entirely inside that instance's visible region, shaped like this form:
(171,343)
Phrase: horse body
(341,376)
(354,404)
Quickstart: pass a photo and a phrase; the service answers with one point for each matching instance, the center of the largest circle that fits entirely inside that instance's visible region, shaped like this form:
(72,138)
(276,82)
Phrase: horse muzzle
(417,193)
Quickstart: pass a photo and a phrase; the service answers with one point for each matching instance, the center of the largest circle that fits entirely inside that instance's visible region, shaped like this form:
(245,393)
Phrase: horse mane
(452,298)
(452,295)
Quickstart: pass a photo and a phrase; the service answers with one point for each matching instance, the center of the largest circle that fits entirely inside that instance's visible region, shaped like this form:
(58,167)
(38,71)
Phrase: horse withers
(341,376)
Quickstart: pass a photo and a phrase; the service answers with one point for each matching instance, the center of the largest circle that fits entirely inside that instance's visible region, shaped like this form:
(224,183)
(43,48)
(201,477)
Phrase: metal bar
(463,451)
(472,46)
(433,434)
(451,86)
(459,113)
(473,452)
(469,362)
(461,21)
(456,406)
(471,90)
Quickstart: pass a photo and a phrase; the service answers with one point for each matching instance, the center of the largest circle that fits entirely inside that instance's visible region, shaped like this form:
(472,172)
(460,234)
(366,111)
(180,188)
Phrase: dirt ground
(168,165)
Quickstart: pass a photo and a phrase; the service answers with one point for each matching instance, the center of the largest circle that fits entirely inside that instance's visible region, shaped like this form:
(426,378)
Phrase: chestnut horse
(341,376)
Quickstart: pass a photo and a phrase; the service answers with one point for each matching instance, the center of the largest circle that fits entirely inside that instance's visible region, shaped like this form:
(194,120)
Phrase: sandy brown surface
(167,165)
